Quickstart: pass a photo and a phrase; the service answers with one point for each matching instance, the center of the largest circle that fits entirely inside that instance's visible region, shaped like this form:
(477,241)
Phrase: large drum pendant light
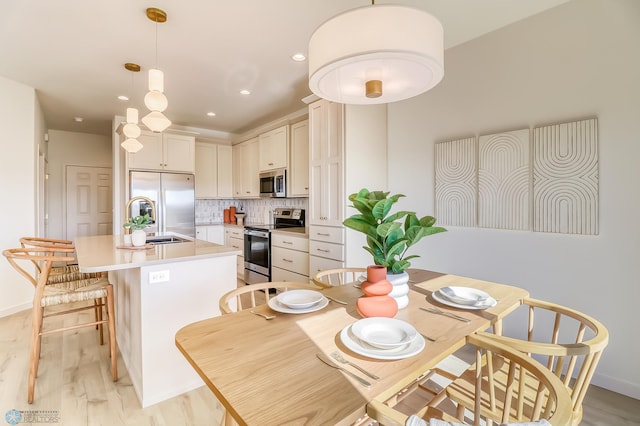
(376,54)
(155,100)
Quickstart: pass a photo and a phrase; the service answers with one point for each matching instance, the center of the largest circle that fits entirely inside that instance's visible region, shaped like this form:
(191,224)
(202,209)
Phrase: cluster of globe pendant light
(155,100)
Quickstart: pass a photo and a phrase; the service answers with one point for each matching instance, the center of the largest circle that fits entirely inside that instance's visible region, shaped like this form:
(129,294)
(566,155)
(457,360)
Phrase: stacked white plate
(298,302)
(382,338)
(464,297)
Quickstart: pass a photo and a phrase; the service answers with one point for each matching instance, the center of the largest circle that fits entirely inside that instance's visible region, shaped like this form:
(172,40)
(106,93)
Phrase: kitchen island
(157,292)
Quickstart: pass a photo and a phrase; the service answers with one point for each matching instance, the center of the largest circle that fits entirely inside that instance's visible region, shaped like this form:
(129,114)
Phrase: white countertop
(100,253)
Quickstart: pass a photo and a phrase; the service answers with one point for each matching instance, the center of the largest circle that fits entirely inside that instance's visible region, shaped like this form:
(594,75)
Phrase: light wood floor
(74,386)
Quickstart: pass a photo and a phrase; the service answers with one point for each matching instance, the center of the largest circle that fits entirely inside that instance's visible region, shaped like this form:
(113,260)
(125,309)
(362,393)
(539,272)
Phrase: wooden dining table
(266,372)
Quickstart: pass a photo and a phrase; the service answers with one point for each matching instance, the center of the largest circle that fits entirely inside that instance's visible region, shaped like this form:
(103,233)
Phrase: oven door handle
(254,233)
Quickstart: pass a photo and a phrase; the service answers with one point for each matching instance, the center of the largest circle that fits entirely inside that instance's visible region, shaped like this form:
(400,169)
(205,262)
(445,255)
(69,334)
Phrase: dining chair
(569,342)
(338,276)
(48,295)
(507,387)
(252,295)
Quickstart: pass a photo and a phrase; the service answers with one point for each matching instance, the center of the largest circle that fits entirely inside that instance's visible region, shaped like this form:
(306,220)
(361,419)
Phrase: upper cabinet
(298,178)
(246,178)
(274,149)
(164,151)
(213,171)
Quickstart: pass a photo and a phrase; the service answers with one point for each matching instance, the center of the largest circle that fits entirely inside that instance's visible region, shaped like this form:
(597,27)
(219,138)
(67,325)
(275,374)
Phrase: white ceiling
(73,53)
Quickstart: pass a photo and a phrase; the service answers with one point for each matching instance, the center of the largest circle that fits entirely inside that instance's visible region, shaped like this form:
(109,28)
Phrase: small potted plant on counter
(388,238)
(137,224)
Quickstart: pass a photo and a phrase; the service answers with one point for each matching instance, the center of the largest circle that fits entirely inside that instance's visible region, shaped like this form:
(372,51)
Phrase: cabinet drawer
(237,244)
(328,250)
(291,260)
(321,264)
(281,239)
(327,233)
(278,274)
(235,232)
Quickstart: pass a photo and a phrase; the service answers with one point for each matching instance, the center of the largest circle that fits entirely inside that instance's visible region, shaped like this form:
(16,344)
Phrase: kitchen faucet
(127,211)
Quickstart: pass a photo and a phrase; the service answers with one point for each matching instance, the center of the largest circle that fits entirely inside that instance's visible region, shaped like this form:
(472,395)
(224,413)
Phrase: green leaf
(427,221)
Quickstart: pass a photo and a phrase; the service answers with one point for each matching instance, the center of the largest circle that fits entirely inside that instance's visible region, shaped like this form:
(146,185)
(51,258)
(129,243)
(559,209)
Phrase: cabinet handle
(323,235)
(248,192)
(287,260)
(323,251)
(271,164)
(287,242)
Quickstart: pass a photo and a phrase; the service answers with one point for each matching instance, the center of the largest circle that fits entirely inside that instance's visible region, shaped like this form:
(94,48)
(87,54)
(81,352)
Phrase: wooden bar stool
(47,294)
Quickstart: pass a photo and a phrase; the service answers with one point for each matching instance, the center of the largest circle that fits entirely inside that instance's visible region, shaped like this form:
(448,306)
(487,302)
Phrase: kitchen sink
(165,239)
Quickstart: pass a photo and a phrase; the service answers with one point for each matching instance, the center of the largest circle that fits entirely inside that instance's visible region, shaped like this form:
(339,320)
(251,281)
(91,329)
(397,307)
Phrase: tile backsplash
(257,211)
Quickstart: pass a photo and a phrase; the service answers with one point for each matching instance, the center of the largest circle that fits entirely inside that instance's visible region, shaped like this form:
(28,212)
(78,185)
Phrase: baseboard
(13,309)
(617,385)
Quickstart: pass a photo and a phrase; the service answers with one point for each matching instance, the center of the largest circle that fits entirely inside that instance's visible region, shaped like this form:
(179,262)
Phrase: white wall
(575,61)
(70,149)
(20,112)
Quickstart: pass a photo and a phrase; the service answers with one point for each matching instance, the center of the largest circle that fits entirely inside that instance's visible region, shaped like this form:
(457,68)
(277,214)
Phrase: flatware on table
(336,300)
(341,359)
(435,310)
(265,316)
(322,357)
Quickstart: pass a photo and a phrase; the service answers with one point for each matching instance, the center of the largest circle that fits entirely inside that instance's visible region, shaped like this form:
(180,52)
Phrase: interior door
(88,201)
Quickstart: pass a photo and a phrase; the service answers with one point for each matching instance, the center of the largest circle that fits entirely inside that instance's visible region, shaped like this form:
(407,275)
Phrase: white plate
(384,333)
(464,295)
(362,348)
(299,299)
(278,307)
(491,302)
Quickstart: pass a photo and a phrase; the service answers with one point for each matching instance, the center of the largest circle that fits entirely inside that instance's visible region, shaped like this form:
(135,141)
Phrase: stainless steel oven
(257,255)
(257,243)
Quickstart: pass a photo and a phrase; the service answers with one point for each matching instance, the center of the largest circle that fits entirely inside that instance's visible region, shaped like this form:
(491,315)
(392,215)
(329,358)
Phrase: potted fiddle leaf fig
(388,239)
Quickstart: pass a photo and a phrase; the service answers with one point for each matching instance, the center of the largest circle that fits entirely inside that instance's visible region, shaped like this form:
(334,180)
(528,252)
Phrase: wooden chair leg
(111,317)
(34,356)
(98,311)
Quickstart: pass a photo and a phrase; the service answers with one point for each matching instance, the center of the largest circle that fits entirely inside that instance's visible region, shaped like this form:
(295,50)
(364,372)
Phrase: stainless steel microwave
(273,183)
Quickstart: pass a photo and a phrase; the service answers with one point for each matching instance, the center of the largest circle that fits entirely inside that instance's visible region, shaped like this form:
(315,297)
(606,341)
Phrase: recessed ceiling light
(245,92)
(123,98)
(78,119)
(298,57)
(211,114)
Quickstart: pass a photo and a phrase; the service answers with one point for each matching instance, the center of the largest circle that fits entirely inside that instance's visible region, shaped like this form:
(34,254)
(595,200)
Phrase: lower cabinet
(289,257)
(234,237)
(211,233)
(326,248)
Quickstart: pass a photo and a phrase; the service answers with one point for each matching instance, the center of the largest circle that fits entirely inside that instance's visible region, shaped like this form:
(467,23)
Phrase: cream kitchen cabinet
(234,237)
(211,233)
(164,151)
(274,149)
(298,178)
(246,176)
(213,171)
(326,171)
(289,257)
(347,152)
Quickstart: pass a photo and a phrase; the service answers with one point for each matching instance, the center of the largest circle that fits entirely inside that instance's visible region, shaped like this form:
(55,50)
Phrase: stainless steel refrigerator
(173,196)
